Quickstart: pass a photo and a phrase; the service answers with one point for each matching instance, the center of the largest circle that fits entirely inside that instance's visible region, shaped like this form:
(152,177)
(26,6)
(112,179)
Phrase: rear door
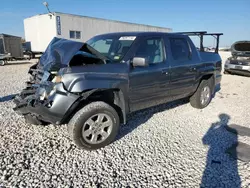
(183,67)
(147,85)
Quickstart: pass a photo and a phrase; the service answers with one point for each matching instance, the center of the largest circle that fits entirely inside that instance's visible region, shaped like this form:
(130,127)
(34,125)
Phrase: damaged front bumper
(238,67)
(45,103)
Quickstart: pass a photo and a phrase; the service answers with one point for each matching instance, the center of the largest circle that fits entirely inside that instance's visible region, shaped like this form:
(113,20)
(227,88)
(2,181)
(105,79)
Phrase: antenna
(46,4)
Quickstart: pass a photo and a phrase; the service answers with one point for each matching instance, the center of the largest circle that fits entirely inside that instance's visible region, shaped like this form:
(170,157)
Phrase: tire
(195,99)
(226,72)
(81,126)
(2,62)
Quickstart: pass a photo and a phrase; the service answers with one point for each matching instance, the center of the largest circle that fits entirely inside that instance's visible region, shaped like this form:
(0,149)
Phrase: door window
(152,50)
(180,49)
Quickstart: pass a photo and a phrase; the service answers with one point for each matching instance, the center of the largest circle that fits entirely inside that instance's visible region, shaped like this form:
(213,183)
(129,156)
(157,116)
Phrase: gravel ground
(172,145)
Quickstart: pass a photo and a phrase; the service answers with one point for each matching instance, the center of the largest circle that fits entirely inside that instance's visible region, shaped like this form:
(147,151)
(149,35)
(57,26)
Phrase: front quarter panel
(86,81)
(82,78)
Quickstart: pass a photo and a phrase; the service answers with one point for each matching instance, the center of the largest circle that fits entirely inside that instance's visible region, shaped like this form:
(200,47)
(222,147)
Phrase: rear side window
(180,49)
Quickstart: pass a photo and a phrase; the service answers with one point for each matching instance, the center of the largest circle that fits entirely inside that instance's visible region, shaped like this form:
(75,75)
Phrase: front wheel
(203,95)
(94,126)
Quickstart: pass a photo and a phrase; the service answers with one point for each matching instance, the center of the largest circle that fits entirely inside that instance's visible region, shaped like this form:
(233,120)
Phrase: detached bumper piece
(23,108)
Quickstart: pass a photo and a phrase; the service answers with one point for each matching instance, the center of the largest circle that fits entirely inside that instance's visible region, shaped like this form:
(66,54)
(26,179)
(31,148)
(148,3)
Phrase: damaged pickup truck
(93,86)
(239,63)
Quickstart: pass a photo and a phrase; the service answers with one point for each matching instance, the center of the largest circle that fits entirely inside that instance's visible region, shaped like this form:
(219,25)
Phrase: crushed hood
(241,48)
(60,51)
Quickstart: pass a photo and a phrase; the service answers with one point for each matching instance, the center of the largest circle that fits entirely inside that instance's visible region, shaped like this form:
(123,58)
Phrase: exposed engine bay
(241,48)
(239,62)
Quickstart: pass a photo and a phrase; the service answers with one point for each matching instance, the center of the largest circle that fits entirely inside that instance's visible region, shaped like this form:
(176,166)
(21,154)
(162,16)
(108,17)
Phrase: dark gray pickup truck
(92,86)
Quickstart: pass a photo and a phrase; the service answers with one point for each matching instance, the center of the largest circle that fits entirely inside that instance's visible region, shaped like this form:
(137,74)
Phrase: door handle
(192,69)
(164,72)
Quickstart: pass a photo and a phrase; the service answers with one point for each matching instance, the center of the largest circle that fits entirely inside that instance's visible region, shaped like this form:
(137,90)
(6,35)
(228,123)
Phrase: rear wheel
(226,72)
(203,95)
(94,126)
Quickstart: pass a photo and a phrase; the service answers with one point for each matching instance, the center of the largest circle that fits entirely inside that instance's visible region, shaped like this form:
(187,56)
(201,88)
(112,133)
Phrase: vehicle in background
(239,62)
(10,48)
(26,46)
(225,49)
(93,86)
(4,58)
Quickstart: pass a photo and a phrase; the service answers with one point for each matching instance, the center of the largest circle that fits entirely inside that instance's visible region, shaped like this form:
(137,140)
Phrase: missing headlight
(43,95)
(57,79)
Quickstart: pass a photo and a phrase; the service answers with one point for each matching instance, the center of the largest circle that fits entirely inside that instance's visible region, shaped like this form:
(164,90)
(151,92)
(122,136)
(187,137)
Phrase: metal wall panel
(90,27)
(2,49)
(40,29)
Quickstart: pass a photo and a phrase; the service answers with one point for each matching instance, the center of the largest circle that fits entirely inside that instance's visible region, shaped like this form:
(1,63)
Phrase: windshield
(112,47)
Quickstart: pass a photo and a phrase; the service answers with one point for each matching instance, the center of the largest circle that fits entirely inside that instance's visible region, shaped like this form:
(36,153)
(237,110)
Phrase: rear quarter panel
(211,64)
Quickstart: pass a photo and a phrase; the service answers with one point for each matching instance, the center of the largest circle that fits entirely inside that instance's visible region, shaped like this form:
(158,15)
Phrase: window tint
(180,49)
(152,50)
(114,48)
(102,46)
(124,46)
(75,34)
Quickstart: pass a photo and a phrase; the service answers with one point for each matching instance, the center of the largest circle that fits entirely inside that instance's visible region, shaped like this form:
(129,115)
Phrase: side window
(180,49)
(152,50)
(78,34)
(75,34)
(72,34)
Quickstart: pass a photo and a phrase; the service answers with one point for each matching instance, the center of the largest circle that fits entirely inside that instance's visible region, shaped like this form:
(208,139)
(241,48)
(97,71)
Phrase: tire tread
(195,98)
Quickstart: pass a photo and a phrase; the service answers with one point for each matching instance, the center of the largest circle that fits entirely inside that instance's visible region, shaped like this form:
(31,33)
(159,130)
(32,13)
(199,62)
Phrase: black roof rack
(201,34)
(192,33)
(213,34)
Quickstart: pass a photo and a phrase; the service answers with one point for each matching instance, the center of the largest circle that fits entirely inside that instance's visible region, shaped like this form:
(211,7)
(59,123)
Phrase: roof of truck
(139,33)
(154,33)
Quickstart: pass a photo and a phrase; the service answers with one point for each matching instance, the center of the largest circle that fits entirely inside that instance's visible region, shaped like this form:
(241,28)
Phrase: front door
(147,85)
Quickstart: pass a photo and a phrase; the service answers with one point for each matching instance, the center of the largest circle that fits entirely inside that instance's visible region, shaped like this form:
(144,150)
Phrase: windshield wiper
(95,52)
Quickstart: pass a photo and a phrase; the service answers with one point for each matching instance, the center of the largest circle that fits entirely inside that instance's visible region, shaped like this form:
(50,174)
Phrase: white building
(40,29)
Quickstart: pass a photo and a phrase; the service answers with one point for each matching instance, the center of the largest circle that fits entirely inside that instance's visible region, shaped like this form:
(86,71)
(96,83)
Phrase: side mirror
(139,62)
